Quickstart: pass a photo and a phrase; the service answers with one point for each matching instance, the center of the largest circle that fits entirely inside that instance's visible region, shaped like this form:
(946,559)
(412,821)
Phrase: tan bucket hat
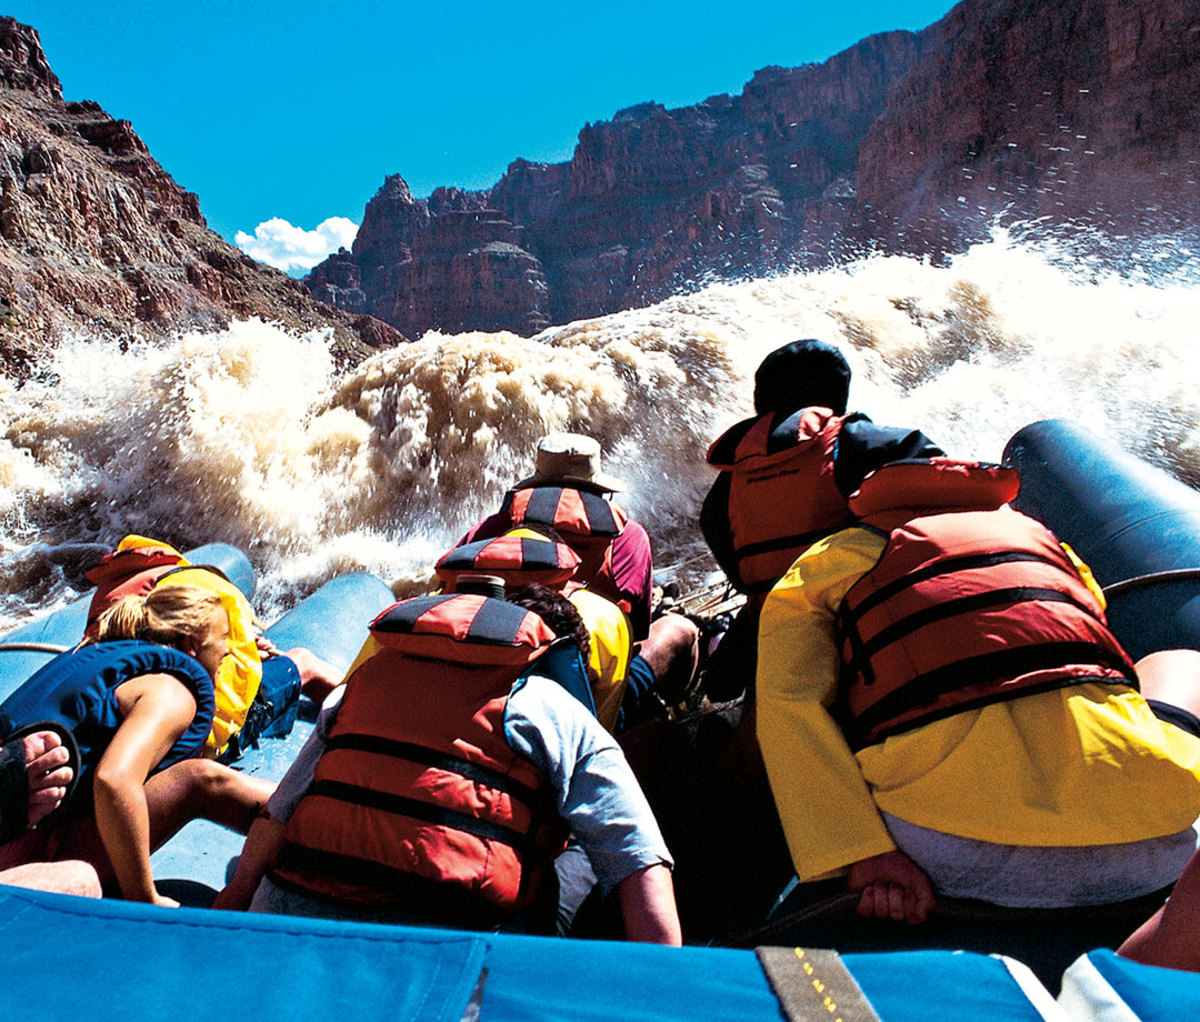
(570,458)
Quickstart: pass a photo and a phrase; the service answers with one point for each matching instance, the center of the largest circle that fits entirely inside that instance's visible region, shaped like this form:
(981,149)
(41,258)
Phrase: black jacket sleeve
(864,447)
(714,525)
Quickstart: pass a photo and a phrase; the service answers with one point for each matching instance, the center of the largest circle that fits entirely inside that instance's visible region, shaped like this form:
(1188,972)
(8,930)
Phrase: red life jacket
(587,522)
(517,560)
(782,494)
(964,607)
(131,572)
(417,779)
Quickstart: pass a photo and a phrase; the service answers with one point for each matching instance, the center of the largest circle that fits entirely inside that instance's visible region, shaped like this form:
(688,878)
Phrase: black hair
(556,610)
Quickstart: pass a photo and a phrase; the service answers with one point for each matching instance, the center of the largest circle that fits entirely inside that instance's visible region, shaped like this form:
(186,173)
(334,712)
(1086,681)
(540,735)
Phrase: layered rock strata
(1068,110)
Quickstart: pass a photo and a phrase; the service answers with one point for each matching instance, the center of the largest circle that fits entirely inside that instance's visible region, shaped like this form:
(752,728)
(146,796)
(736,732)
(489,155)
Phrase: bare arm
(156,709)
(648,907)
(262,844)
(1171,937)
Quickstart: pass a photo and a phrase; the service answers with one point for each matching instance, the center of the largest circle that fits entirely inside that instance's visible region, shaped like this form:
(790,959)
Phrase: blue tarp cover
(73,958)
(1155,995)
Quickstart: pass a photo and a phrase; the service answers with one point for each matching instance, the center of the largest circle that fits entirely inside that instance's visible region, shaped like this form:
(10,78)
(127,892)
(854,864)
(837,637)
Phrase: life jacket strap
(437,902)
(438,816)
(994,667)
(965,605)
(970,562)
(439,761)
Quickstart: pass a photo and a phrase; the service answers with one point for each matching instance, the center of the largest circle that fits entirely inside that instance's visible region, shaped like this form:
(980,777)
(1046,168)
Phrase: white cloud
(277,243)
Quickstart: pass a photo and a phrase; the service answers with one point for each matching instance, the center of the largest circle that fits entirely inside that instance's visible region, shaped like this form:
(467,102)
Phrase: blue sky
(289,113)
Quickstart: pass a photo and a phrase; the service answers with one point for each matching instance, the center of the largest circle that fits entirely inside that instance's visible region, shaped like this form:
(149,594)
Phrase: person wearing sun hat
(570,492)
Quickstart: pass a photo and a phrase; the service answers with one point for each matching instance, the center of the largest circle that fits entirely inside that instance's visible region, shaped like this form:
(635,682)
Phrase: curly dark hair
(556,610)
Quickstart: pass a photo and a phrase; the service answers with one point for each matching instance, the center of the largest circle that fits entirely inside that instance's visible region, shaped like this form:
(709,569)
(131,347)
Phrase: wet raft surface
(194,864)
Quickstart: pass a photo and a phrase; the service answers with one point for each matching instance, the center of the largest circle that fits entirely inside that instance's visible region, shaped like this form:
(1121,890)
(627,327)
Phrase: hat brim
(602,482)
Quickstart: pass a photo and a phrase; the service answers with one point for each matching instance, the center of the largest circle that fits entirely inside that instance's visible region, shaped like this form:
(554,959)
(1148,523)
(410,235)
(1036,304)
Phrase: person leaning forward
(943,710)
(784,477)
(443,778)
(257,687)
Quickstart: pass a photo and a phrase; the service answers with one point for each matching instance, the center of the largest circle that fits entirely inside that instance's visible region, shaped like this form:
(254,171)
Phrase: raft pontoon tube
(1136,526)
(64,627)
(64,957)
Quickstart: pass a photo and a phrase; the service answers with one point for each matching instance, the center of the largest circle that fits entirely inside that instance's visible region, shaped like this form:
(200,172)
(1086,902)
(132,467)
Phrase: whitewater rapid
(251,436)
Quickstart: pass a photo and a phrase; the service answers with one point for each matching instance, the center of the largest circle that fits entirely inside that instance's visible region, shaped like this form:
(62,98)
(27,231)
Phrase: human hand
(893,887)
(266,647)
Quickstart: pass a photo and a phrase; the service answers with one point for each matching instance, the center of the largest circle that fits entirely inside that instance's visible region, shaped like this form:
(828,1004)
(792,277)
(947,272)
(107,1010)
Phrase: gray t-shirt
(595,790)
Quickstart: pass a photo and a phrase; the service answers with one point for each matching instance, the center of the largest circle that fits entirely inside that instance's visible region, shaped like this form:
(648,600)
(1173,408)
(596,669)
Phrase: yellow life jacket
(240,672)
(611,651)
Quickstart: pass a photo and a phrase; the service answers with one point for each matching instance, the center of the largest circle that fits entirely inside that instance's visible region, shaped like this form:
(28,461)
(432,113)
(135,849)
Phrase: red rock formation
(653,201)
(451,263)
(96,236)
(1066,109)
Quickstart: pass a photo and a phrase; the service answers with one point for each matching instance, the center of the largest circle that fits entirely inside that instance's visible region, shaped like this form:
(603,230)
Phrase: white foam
(250,436)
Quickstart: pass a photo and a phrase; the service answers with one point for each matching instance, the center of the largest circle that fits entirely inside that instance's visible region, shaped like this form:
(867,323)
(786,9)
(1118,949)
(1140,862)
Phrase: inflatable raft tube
(332,623)
(150,963)
(1136,526)
(21,652)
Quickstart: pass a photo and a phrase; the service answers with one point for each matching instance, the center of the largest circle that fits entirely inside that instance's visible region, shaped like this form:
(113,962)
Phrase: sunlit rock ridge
(96,236)
(1079,111)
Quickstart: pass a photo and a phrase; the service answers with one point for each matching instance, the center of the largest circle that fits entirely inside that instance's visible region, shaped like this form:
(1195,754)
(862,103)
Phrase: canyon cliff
(95,236)
(1071,110)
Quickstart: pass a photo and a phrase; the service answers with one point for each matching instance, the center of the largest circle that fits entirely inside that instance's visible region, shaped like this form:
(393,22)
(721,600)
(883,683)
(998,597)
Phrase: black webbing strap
(963,605)
(969,562)
(425,901)
(439,816)
(814,985)
(798,540)
(1004,664)
(191,567)
(439,761)
(14,790)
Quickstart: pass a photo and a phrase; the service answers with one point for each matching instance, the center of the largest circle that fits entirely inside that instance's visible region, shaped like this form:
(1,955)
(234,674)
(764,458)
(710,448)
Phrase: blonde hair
(169,615)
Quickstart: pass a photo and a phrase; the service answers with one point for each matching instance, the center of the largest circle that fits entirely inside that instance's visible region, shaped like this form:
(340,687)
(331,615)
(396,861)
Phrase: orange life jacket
(587,522)
(417,779)
(133,571)
(782,493)
(515,559)
(964,607)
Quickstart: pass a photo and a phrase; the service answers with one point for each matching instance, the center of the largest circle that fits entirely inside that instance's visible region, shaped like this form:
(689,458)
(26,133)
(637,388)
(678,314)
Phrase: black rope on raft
(32,647)
(1142,581)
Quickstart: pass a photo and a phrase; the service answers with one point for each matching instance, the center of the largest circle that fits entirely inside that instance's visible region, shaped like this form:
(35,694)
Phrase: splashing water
(251,437)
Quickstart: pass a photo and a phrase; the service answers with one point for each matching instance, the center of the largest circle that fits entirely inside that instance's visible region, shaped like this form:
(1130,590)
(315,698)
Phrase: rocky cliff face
(97,236)
(652,202)
(1067,109)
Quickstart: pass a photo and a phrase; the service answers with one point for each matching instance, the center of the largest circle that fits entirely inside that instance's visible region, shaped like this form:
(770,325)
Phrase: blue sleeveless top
(78,689)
